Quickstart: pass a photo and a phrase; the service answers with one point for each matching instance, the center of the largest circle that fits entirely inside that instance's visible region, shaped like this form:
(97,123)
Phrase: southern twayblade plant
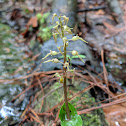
(68,114)
(75,119)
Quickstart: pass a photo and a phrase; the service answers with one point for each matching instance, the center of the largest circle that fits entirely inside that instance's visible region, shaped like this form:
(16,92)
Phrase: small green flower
(54,15)
(39,16)
(55,60)
(53,53)
(74,53)
(75,38)
(64,40)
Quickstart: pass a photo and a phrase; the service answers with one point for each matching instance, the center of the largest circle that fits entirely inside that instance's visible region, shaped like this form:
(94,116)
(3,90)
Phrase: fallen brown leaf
(116,114)
(33,22)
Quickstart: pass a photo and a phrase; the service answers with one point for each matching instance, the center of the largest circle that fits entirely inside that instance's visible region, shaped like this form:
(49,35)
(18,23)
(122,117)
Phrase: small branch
(102,106)
(116,10)
(92,9)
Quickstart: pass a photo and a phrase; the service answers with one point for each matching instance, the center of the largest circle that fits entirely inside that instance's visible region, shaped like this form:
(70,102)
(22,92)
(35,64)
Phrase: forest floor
(39,98)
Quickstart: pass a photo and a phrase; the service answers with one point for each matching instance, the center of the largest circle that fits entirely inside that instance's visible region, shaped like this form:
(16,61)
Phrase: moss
(53,98)
(44,30)
(95,118)
(11,54)
(91,120)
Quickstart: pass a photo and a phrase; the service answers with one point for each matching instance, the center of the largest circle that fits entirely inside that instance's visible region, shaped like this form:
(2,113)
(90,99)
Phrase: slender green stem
(64,74)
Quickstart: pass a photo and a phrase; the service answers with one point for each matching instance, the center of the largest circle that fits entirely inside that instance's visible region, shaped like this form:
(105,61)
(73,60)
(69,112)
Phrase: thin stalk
(64,74)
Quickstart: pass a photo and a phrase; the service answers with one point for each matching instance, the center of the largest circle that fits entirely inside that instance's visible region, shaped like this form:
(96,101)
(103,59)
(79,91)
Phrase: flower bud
(56,75)
(55,27)
(66,65)
(54,15)
(55,60)
(69,31)
(61,79)
(65,27)
(64,39)
(67,44)
(53,53)
(66,19)
(57,22)
(74,53)
(75,38)
(55,37)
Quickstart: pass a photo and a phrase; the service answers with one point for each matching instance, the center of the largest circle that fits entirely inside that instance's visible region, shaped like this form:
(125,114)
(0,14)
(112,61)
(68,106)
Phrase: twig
(105,72)
(34,113)
(24,116)
(51,92)
(74,96)
(36,95)
(92,9)
(104,69)
(42,93)
(102,106)
(43,74)
(24,91)
(96,103)
(34,118)
(57,117)
(47,114)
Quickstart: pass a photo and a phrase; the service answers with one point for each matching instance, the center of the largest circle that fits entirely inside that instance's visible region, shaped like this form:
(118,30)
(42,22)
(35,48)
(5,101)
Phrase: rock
(114,44)
(79,46)
(67,8)
(115,8)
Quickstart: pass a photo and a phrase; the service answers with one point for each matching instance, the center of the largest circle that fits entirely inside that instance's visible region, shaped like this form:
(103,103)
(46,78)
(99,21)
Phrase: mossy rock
(95,118)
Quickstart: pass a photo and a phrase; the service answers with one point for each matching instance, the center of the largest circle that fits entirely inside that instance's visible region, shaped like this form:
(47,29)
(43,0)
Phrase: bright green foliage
(91,120)
(11,55)
(75,119)
(73,57)
(94,118)
(44,30)
(39,16)
(46,15)
(82,56)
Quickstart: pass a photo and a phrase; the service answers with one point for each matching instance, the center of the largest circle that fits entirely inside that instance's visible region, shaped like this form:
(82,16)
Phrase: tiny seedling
(68,114)
(44,30)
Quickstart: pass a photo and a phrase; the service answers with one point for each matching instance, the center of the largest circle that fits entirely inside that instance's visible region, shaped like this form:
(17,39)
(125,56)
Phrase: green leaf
(39,16)
(73,57)
(45,15)
(61,57)
(81,56)
(67,56)
(75,119)
(42,20)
